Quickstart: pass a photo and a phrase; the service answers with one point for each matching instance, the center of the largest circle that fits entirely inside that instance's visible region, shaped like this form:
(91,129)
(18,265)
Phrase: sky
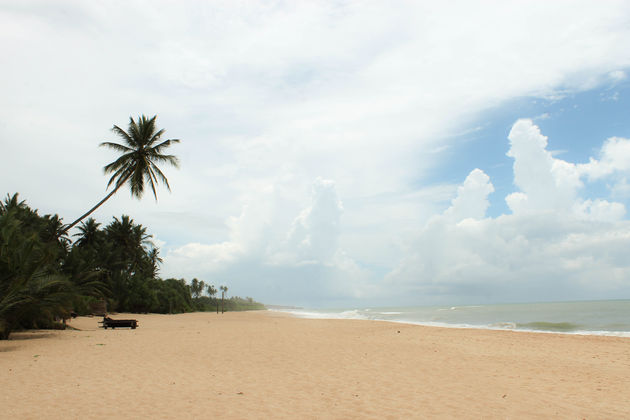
(340,153)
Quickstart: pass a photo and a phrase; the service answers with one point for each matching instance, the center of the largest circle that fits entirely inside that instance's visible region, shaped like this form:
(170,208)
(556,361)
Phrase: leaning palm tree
(142,150)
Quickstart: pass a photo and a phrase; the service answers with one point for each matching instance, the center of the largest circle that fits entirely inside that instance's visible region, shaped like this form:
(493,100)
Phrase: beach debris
(120,323)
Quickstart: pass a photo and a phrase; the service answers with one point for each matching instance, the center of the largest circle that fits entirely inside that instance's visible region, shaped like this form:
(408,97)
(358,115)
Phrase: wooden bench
(118,323)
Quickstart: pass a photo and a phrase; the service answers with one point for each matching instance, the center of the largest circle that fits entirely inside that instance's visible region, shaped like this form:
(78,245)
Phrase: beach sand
(260,365)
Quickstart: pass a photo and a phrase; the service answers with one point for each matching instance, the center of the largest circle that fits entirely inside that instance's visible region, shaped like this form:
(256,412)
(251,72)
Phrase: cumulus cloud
(544,182)
(554,245)
(614,159)
(314,234)
(550,184)
(472,197)
(306,257)
(516,258)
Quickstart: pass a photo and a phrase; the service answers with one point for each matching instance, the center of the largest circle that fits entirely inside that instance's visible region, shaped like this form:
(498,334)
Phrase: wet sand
(269,365)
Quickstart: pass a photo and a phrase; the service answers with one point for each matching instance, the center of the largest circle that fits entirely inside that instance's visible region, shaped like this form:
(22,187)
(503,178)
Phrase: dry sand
(269,365)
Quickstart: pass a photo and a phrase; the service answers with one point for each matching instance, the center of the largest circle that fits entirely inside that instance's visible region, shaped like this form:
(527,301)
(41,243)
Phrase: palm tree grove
(48,275)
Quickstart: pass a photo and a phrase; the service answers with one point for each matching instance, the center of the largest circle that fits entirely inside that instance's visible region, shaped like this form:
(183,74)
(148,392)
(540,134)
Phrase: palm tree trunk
(71,225)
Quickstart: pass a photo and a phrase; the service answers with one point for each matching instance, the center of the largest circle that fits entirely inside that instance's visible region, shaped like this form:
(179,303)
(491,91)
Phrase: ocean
(608,317)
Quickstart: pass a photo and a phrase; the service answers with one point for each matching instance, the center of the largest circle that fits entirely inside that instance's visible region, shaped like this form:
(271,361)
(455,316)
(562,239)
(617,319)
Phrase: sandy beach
(270,365)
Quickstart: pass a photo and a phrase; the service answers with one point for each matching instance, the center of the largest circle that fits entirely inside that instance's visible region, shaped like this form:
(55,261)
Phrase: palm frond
(161,176)
(158,148)
(171,159)
(124,135)
(155,137)
(117,147)
(152,181)
(119,176)
(137,182)
(122,162)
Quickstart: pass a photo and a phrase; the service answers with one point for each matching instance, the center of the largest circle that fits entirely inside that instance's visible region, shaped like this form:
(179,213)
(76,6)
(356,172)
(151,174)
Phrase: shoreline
(267,364)
(599,318)
(619,334)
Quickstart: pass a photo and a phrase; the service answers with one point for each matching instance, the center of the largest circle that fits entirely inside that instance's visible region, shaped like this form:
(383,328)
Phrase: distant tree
(154,262)
(195,288)
(173,296)
(224,290)
(212,291)
(141,150)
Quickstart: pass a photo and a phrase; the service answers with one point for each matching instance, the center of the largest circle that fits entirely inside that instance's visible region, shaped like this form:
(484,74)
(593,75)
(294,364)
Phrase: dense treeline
(45,276)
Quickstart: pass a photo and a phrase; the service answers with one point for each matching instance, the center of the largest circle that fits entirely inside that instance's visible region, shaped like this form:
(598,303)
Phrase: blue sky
(341,152)
(575,123)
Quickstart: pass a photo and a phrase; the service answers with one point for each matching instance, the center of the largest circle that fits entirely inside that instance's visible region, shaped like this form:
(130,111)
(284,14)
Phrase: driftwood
(118,323)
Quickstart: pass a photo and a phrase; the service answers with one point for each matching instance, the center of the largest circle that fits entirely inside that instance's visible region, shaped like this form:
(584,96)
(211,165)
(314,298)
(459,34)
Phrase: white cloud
(555,245)
(599,210)
(267,97)
(544,182)
(472,197)
(299,256)
(314,234)
(614,158)
(516,258)
(617,75)
(550,184)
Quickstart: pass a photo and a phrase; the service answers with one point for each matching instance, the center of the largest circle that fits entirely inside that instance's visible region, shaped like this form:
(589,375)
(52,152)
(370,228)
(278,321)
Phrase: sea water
(609,317)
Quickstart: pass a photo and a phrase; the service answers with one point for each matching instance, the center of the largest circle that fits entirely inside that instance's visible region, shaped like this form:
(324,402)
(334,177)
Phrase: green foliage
(128,264)
(33,289)
(235,303)
(142,147)
(197,287)
(174,297)
(44,278)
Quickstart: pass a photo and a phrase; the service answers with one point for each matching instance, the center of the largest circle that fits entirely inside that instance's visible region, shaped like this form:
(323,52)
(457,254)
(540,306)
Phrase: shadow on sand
(29,335)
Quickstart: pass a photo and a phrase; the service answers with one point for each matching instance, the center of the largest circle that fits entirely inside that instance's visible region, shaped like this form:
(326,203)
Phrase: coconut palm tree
(31,286)
(154,262)
(89,233)
(211,290)
(142,150)
(224,290)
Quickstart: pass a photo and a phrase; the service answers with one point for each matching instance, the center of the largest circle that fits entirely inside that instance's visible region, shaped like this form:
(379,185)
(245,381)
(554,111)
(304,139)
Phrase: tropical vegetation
(46,276)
